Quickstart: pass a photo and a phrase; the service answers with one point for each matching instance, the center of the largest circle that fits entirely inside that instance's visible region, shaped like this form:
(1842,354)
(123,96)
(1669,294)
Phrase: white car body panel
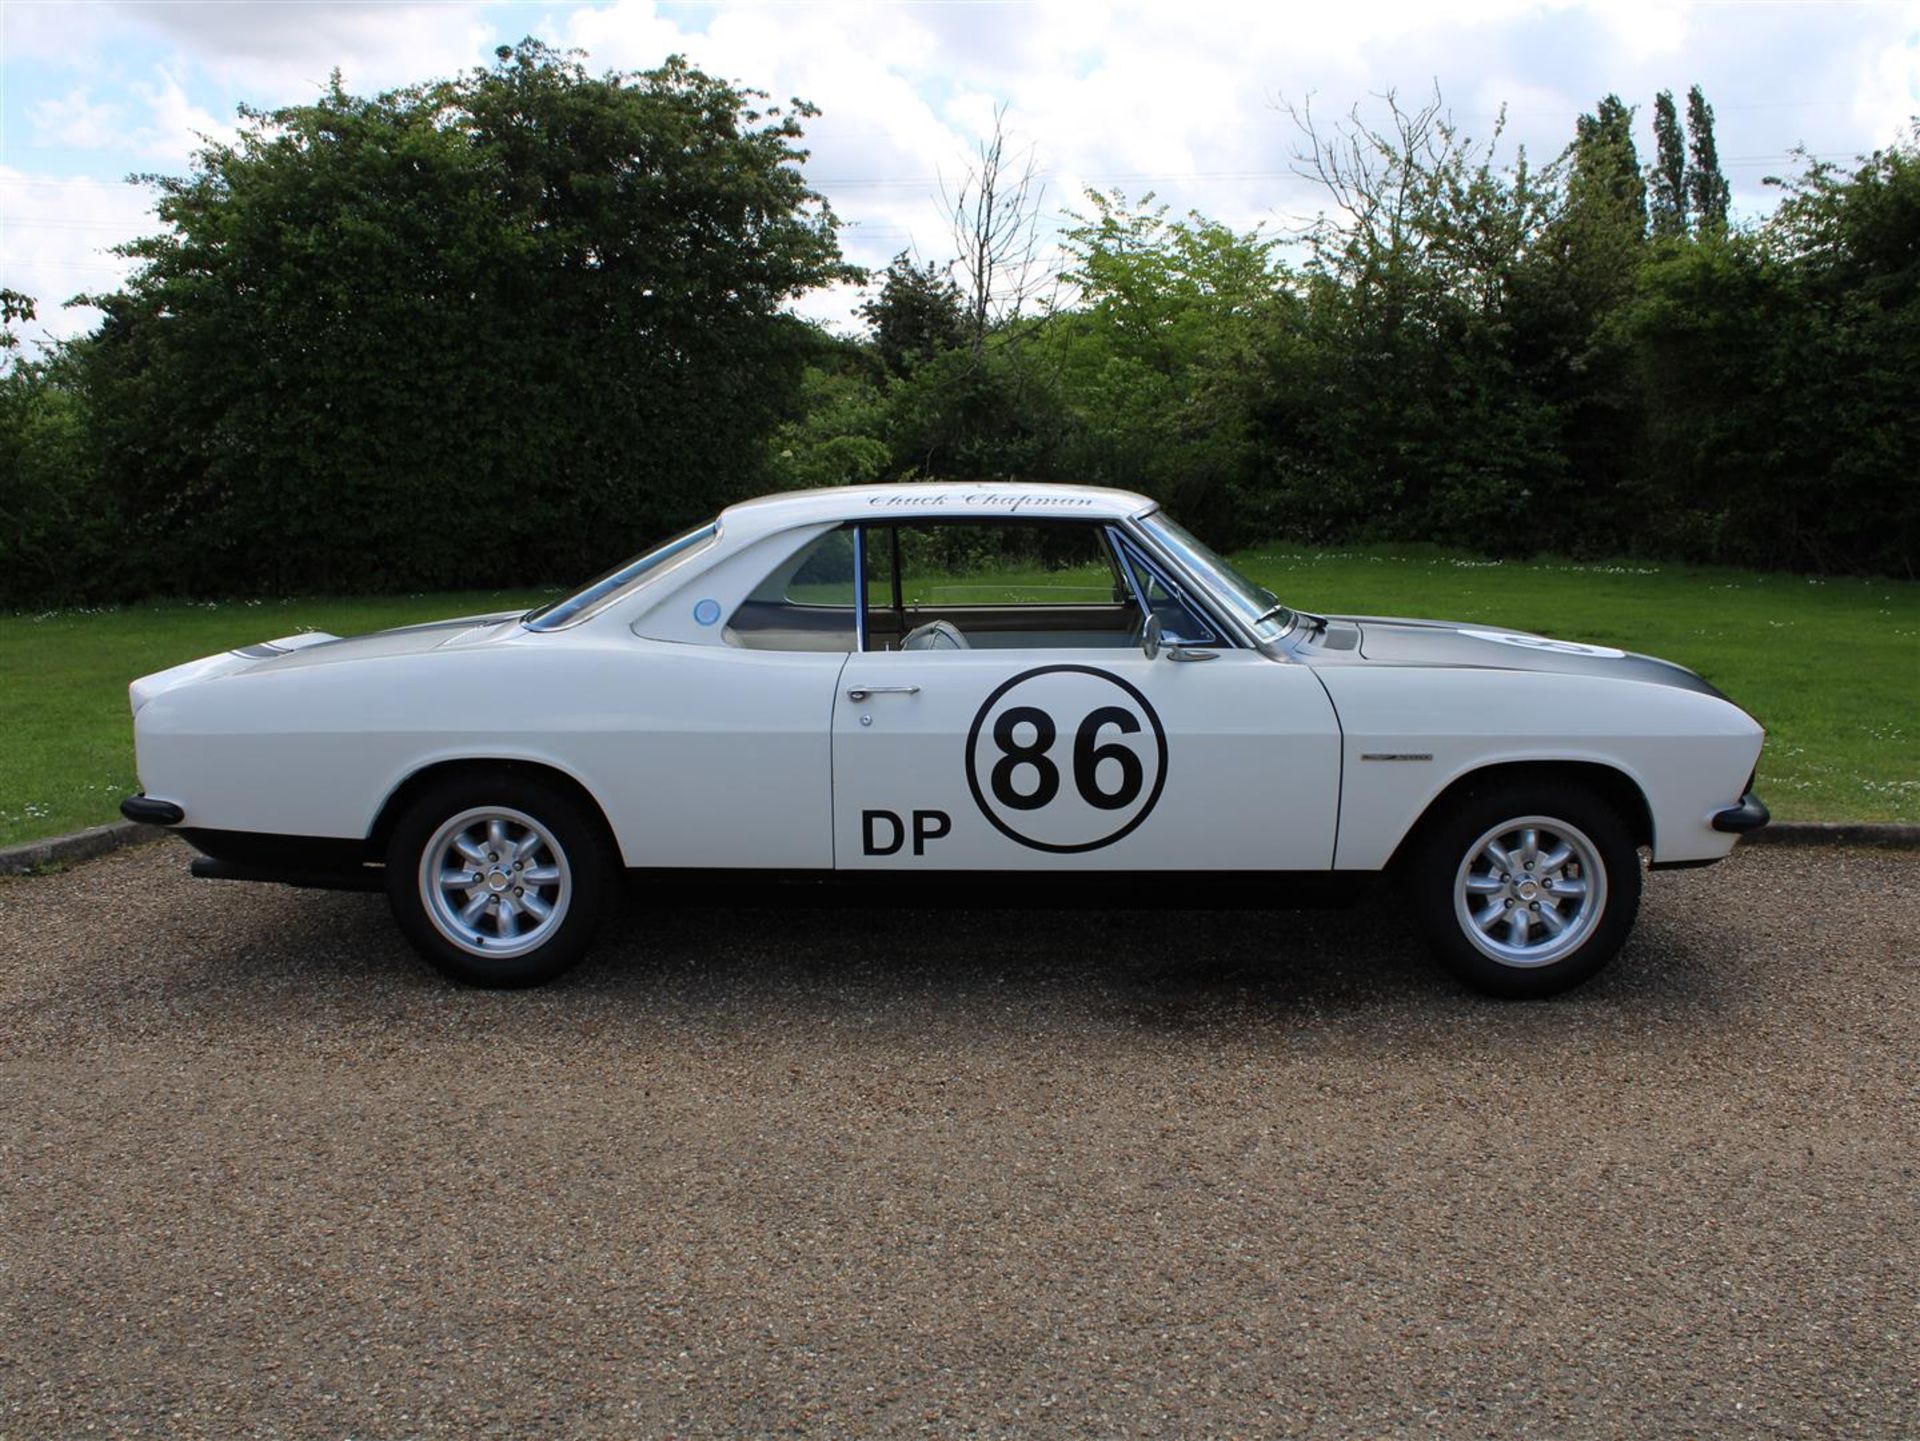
(1251,778)
(708,758)
(704,755)
(1687,753)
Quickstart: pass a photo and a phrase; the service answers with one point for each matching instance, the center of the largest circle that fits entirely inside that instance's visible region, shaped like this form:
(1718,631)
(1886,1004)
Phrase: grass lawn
(1831,667)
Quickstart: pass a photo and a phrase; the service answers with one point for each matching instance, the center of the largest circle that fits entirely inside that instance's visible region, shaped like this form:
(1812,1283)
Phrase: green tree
(509,324)
(1566,350)
(60,538)
(1778,374)
(916,315)
(1850,497)
(836,434)
(1165,292)
(1606,212)
(1403,411)
(14,309)
(1164,361)
(1667,177)
(997,415)
(1707,191)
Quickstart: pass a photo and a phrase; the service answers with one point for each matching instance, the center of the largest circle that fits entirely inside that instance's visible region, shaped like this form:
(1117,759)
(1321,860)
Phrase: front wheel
(498,880)
(1526,890)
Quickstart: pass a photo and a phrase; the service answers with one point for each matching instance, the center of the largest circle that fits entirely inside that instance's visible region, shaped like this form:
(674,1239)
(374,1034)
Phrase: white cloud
(278,53)
(879,145)
(1182,100)
(55,236)
(1137,94)
(1886,99)
(1646,29)
(54,36)
(176,127)
(154,121)
(75,120)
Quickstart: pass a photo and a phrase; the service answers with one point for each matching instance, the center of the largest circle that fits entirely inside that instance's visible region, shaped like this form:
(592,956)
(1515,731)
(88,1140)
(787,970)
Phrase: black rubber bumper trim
(1750,815)
(147,811)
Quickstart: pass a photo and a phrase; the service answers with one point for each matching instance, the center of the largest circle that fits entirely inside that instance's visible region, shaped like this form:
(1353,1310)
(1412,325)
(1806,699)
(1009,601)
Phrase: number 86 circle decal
(1066,758)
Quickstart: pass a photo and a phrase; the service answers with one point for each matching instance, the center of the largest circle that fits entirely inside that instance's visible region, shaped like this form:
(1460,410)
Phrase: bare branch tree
(995,214)
(1373,175)
(1415,196)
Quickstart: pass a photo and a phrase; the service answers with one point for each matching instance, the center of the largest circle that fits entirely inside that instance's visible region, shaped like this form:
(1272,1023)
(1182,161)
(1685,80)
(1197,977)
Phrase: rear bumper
(149,812)
(1748,816)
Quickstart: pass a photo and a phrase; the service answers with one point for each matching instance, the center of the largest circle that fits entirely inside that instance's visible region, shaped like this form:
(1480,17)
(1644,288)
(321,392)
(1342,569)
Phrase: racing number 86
(1048,795)
(1088,754)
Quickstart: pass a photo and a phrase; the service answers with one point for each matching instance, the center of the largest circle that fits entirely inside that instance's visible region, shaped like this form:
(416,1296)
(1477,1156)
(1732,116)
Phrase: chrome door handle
(861,692)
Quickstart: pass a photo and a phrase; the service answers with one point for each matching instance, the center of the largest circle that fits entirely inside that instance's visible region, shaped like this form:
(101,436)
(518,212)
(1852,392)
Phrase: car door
(1081,756)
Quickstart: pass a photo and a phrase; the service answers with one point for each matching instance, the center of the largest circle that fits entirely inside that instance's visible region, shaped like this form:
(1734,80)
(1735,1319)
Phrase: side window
(963,585)
(1179,622)
(1008,564)
(807,602)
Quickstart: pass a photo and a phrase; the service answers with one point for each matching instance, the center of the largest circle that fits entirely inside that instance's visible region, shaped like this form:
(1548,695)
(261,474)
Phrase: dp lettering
(882,833)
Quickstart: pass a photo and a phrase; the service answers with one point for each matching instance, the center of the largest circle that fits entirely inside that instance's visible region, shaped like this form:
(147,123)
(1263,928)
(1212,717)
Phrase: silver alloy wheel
(495,882)
(1530,891)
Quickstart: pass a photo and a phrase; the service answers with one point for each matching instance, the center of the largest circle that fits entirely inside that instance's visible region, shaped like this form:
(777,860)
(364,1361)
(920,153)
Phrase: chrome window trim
(1105,530)
(859,589)
(1275,648)
(1176,578)
(1118,543)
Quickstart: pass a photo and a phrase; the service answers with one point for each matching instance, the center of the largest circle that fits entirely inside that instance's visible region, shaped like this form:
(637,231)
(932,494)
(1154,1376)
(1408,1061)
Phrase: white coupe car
(1035,684)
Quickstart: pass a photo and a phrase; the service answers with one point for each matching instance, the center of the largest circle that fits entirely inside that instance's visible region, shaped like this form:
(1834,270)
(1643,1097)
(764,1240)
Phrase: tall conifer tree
(1667,177)
(1707,191)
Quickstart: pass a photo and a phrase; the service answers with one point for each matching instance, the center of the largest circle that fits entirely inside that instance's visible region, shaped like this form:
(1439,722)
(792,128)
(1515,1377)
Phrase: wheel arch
(1613,785)
(431,774)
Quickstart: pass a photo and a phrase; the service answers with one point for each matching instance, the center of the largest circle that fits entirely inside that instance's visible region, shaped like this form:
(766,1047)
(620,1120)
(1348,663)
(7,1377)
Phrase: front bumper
(1748,816)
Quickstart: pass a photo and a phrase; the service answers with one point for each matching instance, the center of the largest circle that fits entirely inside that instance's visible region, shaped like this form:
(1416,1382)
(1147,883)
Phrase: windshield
(1255,606)
(609,587)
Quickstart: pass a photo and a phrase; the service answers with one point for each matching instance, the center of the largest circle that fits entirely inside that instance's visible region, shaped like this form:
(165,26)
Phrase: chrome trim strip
(699,544)
(859,587)
(1117,542)
(1191,591)
(1396,755)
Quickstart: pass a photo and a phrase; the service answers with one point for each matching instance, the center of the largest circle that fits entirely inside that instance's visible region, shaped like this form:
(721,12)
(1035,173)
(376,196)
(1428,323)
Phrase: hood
(1394,640)
(319,648)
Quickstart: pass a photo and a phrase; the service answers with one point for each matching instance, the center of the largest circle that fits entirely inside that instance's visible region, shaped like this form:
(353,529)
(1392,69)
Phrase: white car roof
(923,501)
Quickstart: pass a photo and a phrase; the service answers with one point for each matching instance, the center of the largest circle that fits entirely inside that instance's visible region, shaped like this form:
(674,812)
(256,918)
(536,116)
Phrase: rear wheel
(498,880)
(1525,890)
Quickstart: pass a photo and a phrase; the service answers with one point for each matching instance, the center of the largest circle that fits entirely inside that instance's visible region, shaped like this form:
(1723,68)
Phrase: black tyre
(499,879)
(1525,889)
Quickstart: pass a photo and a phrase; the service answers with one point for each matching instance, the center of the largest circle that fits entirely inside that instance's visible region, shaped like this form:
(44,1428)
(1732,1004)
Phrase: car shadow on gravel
(769,958)
(1154,967)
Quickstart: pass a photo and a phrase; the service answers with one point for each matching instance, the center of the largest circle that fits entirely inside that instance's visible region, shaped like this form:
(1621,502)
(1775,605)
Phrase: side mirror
(1150,637)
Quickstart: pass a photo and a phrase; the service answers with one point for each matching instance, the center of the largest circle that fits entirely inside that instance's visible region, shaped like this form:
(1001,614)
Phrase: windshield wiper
(1315,623)
(1275,612)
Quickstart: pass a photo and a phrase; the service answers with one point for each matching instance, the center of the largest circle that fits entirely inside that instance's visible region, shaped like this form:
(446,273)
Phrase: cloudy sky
(1182,99)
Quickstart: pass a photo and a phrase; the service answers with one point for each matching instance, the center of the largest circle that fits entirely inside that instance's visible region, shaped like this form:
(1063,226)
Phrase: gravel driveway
(829,1171)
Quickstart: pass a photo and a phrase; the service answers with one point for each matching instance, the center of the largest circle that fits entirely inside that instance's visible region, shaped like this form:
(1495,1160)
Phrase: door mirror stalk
(1153,638)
